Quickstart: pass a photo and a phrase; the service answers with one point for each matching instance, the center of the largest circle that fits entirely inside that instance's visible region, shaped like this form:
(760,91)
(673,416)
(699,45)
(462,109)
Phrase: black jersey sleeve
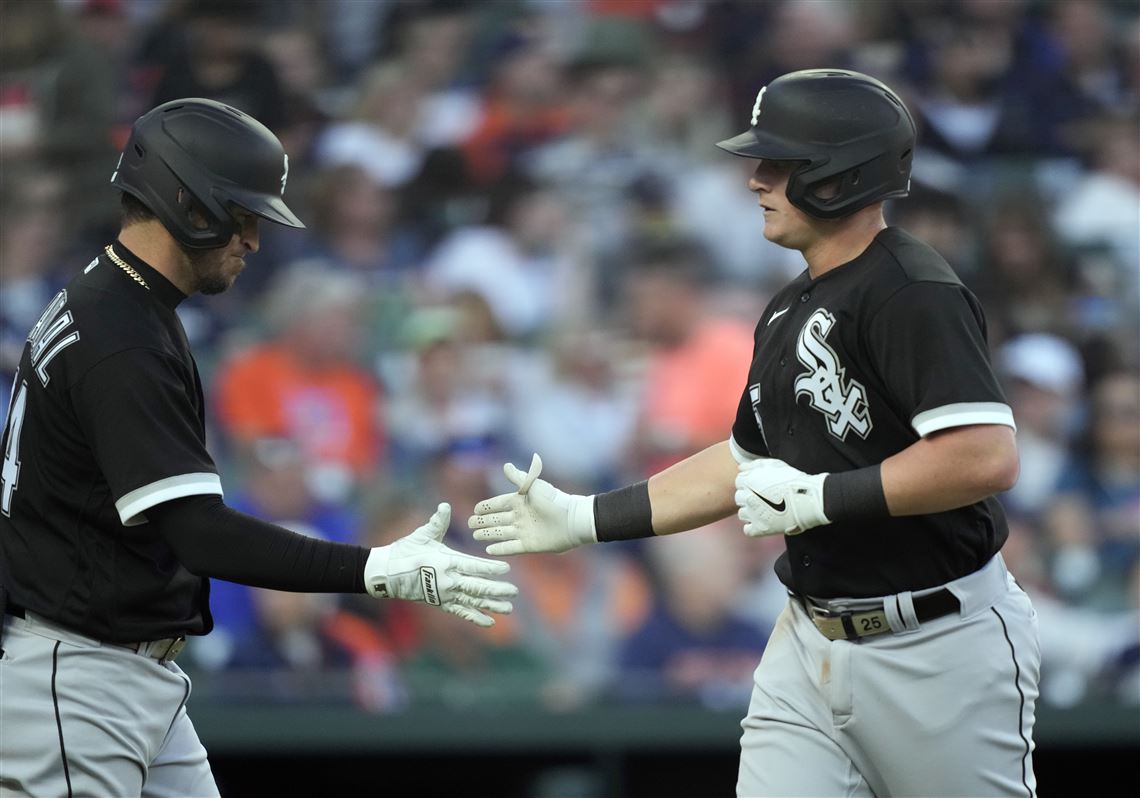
(927,344)
(136,409)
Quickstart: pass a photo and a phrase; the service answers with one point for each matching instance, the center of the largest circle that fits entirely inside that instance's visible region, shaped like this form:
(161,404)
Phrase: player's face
(784,223)
(216,269)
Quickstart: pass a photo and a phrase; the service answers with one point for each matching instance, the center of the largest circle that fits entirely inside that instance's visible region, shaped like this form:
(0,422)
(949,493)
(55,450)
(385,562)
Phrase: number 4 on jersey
(10,474)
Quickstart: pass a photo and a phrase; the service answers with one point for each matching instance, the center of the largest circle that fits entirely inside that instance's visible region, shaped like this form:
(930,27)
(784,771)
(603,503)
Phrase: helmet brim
(754,143)
(267,206)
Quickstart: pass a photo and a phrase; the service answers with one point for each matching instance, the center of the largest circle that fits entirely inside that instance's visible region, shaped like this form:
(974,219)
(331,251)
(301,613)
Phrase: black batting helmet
(203,154)
(843,125)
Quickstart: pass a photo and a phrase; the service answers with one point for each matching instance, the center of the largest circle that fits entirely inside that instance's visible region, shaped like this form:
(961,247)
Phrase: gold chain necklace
(134,275)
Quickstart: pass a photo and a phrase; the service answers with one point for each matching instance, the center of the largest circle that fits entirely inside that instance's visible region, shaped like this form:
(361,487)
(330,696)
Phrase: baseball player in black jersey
(872,435)
(111,512)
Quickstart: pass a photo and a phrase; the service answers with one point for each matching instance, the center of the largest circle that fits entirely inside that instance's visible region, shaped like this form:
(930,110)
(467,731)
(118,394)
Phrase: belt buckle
(824,618)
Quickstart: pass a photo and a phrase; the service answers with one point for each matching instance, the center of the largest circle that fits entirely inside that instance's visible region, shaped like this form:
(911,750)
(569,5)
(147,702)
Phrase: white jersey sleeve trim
(961,415)
(132,506)
(742,455)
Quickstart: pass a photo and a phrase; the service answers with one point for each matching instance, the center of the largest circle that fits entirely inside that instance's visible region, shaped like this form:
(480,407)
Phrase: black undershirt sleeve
(213,540)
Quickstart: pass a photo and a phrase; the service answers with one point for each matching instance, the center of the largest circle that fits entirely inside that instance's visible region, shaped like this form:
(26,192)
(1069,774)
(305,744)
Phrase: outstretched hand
(537,517)
(419,567)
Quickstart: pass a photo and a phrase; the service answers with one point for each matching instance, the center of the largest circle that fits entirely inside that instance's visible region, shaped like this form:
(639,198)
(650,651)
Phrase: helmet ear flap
(208,226)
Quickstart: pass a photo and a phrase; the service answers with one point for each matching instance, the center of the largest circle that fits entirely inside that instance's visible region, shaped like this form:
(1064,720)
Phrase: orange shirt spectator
(329,411)
(683,411)
(693,357)
(304,385)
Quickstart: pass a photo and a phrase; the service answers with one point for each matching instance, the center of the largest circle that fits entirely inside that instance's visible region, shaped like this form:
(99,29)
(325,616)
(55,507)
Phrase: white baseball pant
(83,718)
(944,709)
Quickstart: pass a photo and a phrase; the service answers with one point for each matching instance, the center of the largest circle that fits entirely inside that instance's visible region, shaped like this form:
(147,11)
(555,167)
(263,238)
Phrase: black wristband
(624,514)
(855,495)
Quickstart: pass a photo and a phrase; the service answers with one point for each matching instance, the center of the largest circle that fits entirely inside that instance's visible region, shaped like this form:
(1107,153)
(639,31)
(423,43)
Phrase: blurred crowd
(521,238)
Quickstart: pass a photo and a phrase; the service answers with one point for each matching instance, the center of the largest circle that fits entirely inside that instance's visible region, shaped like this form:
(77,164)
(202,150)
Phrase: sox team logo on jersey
(843,402)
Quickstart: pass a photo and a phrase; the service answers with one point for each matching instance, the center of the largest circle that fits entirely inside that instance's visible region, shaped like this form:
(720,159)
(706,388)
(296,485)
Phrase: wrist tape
(624,514)
(855,495)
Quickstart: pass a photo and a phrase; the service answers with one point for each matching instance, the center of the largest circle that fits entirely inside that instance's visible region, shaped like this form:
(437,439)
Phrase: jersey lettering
(843,402)
(10,472)
(54,321)
(754,396)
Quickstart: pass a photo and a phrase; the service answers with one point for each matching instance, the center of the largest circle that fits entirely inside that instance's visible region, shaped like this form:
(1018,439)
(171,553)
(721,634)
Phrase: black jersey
(852,368)
(106,421)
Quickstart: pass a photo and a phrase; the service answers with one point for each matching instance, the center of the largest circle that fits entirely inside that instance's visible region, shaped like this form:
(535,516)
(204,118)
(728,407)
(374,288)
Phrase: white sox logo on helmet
(843,402)
(285,174)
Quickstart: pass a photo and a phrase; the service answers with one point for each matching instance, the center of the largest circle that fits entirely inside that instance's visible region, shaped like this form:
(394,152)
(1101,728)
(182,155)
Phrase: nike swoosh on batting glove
(776,499)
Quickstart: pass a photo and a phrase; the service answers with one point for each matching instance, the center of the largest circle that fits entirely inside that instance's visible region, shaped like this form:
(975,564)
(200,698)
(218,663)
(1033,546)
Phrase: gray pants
(945,708)
(82,718)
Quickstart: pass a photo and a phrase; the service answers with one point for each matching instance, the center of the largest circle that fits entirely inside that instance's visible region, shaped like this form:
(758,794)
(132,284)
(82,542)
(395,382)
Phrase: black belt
(164,650)
(837,622)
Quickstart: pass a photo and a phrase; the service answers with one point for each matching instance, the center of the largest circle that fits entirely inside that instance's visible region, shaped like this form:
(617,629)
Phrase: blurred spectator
(683,111)
(598,163)
(1024,278)
(1092,62)
(523,107)
(303,383)
(1044,378)
(220,62)
(801,34)
(59,78)
(433,40)
(691,355)
(518,262)
(441,197)
(299,63)
(353,228)
(987,79)
(32,234)
(1093,522)
(443,402)
(299,638)
(381,132)
(1103,208)
(693,645)
(585,420)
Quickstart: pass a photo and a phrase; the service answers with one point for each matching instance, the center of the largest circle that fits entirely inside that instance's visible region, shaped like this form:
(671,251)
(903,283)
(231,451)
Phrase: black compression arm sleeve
(211,539)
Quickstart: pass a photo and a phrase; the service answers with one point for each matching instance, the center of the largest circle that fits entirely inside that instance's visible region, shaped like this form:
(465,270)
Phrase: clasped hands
(773,499)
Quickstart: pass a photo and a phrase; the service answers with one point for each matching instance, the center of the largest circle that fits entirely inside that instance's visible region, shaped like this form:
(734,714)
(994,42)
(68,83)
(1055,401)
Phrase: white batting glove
(537,517)
(420,568)
(776,499)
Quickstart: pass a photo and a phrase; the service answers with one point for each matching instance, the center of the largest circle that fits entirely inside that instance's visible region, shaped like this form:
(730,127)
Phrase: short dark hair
(132,210)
